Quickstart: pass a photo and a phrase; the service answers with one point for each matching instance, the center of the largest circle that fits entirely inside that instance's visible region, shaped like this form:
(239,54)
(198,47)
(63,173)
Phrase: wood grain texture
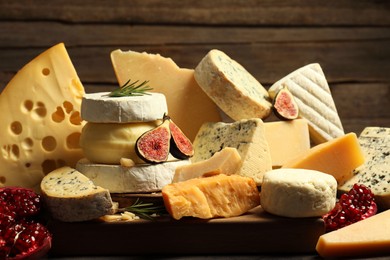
(350,39)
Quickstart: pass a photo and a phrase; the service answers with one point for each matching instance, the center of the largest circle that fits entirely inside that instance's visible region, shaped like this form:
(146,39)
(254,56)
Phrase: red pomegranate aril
(19,202)
(357,204)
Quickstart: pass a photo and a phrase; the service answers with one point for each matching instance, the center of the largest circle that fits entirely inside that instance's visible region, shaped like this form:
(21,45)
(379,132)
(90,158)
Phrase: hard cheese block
(368,237)
(188,106)
(375,172)
(338,157)
(216,196)
(72,197)
(40,119)
(101,108)
(286,139)
(227,161)
(246,135)
(232,87)
(312,94)
(298,193)
(136,179)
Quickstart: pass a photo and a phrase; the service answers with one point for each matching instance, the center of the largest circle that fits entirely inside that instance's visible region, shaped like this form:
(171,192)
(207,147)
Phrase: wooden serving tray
(254,232)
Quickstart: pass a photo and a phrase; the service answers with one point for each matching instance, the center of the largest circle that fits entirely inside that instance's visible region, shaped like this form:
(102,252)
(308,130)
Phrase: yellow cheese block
(286,139)
(338,157)
(368,237)
(188,106)
(216,196)
(40,119)
(227,161)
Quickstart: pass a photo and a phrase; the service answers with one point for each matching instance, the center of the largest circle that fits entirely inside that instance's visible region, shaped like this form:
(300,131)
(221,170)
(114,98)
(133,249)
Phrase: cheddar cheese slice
(216,196)
(188,105)
(338,157)
(227,161)
(368,237)
(40,119)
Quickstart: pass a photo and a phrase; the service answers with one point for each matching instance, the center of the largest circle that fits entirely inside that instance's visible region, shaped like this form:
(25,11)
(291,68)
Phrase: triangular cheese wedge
(188,106)
(364,238)
(40,119)
(312,94)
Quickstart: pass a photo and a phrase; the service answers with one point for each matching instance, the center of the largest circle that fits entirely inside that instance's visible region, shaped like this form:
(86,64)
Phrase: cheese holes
(49,143)
(2,179)
(10,152)
(50,165)
(75,118)
(59,115)
(40,110)
(28,105)
(68,107)
(16,128)
(46,72)
(27,144)
(73,141)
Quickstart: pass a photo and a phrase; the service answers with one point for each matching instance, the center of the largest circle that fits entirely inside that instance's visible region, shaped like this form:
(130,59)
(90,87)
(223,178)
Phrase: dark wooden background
(349,38)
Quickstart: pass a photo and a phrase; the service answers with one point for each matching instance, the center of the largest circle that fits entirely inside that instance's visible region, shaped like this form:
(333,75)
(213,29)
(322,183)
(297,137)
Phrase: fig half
(284,105)
(153,146)
(181,146)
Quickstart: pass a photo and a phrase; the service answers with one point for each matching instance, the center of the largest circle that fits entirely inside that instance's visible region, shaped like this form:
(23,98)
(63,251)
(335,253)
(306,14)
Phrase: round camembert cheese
(298,192)
(101,108)
(136,179)
(232,87)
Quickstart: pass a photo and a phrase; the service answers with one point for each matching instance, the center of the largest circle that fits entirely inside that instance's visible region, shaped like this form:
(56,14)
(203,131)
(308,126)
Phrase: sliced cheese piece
(136,179)
(227,161)
(72,197)
(215,196)
(312,94)
(338,157)
(188,105)
(286,139)
(298,193)
(232,87)
(101,108)
(368,237)
(375,172)
(40,119)
(246,135)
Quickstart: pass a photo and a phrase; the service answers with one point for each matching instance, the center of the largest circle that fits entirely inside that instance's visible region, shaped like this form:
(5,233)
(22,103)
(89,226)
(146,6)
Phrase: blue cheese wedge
(72,197)
(134,179)
(375,172)
(101,108)
(232,87)
(311,91)
(247,136)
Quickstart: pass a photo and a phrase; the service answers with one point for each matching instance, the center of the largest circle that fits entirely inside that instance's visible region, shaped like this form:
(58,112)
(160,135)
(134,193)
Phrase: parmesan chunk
(216,196)
(71,197)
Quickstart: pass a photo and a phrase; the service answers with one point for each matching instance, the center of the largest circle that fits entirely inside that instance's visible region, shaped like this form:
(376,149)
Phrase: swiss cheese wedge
(188,105)
(40,119)
(367,237)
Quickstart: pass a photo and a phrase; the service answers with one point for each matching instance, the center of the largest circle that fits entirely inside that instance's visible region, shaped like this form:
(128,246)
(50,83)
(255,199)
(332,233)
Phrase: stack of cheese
(108,141)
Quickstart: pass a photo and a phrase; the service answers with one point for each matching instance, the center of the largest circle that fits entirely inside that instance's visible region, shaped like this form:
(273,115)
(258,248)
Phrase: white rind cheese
(100,108)
(72,197)
(247,136)
(136,179)
(232,87)
(375,172)
(312,93)
(298,193)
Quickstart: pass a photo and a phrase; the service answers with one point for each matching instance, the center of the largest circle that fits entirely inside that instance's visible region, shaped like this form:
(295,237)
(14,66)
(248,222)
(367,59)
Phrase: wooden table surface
(349,39)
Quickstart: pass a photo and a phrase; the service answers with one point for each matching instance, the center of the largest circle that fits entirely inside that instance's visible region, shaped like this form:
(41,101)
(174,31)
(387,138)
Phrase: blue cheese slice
(312,93)
(375,172)
(232,87)
(101,108)
(247,136)
(72,197)
(136,179)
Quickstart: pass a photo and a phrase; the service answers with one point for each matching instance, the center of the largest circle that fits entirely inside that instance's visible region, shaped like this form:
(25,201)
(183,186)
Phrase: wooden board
(255,232)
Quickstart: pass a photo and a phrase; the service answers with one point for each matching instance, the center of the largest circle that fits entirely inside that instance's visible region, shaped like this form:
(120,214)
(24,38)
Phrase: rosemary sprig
(131,89)
(144,210)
